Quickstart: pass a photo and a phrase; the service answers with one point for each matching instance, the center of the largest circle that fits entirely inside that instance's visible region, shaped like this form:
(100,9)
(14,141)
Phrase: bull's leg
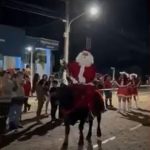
(81,137)
(98,126)
(88,137)
(67,130)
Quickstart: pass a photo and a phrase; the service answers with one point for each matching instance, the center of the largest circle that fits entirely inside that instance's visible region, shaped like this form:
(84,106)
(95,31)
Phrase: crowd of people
(45,89)
(17,87)
(127,90)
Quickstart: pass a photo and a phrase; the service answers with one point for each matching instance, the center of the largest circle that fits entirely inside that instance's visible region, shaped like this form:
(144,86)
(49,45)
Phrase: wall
(12,41)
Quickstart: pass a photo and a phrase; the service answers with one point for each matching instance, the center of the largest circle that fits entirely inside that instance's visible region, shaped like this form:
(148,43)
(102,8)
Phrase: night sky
(119,35)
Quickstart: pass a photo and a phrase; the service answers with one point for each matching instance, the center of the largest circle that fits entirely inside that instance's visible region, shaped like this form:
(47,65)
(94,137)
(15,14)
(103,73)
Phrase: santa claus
(82,70)
(82,74)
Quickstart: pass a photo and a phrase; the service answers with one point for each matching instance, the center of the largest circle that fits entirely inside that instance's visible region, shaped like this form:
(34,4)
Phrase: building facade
(14,52)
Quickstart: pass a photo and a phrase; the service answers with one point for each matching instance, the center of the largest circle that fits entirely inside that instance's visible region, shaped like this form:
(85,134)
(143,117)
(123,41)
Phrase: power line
(29,8)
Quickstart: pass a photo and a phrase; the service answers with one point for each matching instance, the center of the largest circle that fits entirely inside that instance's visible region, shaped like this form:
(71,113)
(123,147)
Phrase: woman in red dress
(123,91)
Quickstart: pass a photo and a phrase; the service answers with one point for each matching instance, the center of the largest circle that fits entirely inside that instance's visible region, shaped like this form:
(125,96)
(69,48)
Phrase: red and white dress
(123,89)
(85,97)
(130,90)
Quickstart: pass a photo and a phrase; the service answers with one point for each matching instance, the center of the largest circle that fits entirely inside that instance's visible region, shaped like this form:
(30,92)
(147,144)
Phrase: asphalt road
(129,131)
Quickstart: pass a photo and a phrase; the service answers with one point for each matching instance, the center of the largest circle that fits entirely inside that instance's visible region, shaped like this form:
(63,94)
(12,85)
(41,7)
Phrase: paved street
(130,131)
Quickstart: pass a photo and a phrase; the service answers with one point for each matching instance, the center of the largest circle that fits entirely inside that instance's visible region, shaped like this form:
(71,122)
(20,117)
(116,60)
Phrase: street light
(93,11)
(30,49)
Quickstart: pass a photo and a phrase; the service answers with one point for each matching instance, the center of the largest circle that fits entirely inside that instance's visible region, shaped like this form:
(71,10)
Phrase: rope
(115,89)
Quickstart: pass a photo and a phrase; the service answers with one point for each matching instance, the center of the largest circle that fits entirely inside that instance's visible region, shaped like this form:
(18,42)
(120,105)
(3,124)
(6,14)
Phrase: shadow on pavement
(138,117)
(7,139)
(88,147)
(42,130)
(99,145)
(26,121)
(112,108)
(144,110)
(81,147)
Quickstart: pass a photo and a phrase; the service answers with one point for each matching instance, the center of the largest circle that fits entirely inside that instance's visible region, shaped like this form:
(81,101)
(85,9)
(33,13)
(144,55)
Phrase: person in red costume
(82,73)
(123,90)
(27,90)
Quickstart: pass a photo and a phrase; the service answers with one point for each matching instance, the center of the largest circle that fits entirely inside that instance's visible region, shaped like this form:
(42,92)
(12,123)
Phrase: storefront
(14,54)
(43,57)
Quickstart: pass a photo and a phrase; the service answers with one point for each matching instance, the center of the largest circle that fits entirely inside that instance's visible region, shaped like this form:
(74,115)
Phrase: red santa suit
(83,77)
(76,73)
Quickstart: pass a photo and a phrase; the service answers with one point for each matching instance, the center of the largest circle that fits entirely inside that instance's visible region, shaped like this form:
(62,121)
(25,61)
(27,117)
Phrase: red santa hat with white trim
(124,73)
(133,75)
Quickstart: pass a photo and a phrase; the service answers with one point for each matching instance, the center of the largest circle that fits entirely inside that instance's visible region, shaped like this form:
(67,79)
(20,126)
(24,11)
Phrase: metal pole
(66,34)
(113,73)
(66,41)
(88,43)
(31,66)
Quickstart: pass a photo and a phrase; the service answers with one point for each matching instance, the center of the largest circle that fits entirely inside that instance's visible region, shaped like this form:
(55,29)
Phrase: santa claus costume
(123,90)
(82,73)
(135,83)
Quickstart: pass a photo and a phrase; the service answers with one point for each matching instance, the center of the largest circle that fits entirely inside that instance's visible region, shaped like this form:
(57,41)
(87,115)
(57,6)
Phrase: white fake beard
(85,60)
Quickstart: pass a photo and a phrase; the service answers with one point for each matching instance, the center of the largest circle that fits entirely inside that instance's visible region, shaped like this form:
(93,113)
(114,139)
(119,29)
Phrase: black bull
(66,97)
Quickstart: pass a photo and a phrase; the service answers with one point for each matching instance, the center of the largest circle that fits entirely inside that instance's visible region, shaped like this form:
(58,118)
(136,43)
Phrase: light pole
(93,11)
(30,50)
(113,73)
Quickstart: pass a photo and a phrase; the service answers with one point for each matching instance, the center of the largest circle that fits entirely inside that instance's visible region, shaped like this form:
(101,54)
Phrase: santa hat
(124,73)
(133,75)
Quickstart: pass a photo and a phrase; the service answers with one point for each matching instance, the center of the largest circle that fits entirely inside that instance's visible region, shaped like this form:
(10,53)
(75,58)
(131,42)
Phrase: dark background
(120,35)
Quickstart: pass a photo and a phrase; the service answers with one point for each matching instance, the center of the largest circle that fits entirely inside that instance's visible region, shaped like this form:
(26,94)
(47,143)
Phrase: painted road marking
(136,127)
(105,141)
